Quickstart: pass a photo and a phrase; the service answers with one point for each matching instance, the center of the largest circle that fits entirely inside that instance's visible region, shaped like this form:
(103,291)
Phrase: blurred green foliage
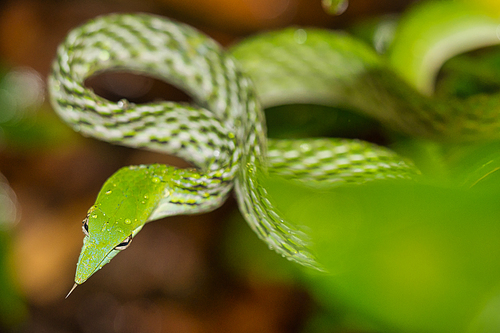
(21,127)
(12,307)
(24,124)
(422,257)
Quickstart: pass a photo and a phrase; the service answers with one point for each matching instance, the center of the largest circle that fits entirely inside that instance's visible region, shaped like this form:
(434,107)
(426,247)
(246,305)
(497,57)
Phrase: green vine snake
(222,133)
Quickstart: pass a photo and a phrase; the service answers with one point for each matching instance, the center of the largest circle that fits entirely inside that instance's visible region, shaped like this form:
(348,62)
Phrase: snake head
(104,239)
(121,209)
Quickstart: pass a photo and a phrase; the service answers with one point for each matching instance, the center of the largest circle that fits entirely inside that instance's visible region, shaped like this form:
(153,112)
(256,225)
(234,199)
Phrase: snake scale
(223,133)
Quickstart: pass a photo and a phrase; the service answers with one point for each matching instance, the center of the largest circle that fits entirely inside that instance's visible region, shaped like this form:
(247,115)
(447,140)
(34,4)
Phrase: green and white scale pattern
(222,133)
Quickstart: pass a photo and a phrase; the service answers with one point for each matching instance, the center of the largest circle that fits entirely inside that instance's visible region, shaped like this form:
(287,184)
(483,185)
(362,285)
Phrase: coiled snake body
(222,133)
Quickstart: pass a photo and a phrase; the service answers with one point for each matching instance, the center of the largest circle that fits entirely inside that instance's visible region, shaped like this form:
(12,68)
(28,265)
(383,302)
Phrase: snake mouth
(87,265)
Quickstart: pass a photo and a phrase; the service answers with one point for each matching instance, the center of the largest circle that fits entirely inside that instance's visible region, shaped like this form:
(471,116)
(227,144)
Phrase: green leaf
(418,258)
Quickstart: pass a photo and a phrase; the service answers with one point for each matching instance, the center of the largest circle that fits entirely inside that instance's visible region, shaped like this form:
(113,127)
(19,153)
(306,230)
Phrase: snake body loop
(222,133)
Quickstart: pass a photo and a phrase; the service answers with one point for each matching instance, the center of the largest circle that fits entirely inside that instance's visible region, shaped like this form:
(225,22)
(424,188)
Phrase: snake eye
(123,245)
(85,226)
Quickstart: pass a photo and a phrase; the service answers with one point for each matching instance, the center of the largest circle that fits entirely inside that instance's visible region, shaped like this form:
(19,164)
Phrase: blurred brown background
(178,276)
